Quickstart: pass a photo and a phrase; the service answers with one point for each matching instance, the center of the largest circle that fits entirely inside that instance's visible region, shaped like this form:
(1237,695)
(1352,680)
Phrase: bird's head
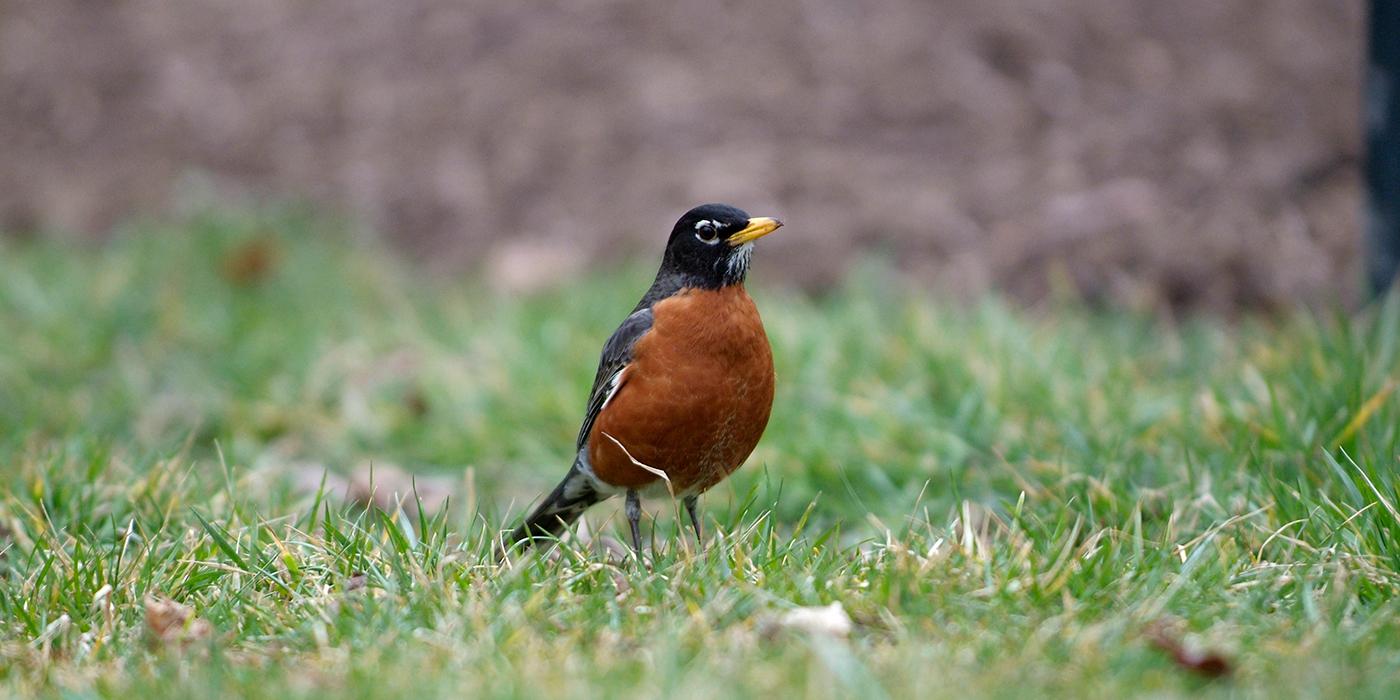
(712,244)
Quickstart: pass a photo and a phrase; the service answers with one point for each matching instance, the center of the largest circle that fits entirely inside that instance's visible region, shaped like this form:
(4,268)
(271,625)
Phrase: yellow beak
(758,227)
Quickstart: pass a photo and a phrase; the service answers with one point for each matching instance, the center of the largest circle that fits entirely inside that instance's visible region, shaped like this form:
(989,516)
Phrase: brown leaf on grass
(416,402)
(354,588)
(1164,635)
(171,622)
(251,262)
(355,582)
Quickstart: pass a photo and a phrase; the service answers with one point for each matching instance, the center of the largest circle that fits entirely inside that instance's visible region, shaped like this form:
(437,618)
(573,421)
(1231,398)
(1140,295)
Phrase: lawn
(1004,501)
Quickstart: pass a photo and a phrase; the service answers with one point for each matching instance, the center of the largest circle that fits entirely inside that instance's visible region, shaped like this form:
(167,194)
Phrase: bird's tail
(575,494)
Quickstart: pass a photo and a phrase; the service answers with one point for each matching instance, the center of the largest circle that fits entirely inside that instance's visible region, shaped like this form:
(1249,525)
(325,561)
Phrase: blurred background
(1194,153)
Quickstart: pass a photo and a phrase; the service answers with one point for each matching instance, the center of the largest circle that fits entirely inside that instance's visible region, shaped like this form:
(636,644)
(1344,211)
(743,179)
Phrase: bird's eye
(707,232)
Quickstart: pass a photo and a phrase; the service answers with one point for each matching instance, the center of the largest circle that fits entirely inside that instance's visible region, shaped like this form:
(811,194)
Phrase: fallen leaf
(171,622)
(416,402)
(1210,664)
(251,262)
(355,582)
(354,589)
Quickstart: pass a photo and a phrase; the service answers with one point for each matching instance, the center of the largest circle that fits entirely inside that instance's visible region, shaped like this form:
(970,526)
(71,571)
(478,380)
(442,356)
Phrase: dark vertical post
(1382,109)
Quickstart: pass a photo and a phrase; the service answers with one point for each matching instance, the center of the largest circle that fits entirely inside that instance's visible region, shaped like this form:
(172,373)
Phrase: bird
(684,386)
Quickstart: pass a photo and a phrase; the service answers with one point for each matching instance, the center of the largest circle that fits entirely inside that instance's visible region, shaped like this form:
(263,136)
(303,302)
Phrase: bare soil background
(1198,153)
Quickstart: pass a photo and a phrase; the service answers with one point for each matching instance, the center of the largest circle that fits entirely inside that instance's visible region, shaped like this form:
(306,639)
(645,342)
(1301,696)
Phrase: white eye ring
(707,232)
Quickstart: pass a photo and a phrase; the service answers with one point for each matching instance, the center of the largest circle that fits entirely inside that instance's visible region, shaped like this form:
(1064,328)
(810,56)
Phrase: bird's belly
(693,403)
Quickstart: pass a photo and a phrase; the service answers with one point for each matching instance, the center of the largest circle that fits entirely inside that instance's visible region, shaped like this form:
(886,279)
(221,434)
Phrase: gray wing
(617,353)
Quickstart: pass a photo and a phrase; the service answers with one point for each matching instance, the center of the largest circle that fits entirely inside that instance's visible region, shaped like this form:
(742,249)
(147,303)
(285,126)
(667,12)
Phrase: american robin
(684,385)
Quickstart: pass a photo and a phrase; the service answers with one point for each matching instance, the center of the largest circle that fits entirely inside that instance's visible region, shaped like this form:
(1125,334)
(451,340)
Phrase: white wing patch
(614,383)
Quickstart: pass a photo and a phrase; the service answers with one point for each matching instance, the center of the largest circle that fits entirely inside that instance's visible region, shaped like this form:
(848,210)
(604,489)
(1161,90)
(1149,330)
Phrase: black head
(711,246)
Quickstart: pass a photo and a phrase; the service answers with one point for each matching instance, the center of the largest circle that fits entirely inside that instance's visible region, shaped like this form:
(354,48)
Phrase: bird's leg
(690,504)
(634,517)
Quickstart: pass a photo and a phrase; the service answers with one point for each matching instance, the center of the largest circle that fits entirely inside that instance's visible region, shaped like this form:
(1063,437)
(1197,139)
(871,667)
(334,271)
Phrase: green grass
(1003,500)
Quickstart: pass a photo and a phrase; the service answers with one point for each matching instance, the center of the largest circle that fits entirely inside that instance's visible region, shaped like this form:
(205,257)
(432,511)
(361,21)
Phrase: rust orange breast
(695,398)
